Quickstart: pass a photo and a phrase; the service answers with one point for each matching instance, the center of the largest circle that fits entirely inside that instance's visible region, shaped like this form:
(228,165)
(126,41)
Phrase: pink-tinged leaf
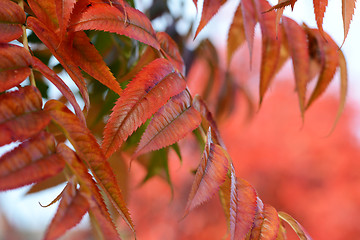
(111,19)
(329,52)
(63,12)
(271,44)
(15,65)
(171,123)
(171,51)
(144,95)
(210,175)
(348,7)
(250,19)
(103,222)
(61,51)
(319,10)
(72,208)
(32,161)
(12,17)
(89,59)
(59,83)
(299,230)
(210,8)
(89,151)
(298,46)
(21,116)
(266,224)
(45,11)
(243,204)
(236,35)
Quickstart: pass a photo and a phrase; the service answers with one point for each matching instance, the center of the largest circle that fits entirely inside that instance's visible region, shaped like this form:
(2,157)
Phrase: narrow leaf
(266,224)
(210,175)
(319,10)
(210,8)
(12,17)
(348,7)
(92,193)
(47,183)
(236,35)
(60,84)
(299,230)
(89,151)
(250,19)
(111,19)
(72,208)
(21,116)
(270,45)
(171,51)
(45,11)
(144,95)
(63,12)
(171,123)
(32,161)
(15,64)
(298,46)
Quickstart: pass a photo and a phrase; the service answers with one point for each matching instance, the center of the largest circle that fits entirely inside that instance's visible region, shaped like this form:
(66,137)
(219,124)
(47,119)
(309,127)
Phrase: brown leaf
(15,64)
(250,19)
(236,35)
(299,230)
(12,17)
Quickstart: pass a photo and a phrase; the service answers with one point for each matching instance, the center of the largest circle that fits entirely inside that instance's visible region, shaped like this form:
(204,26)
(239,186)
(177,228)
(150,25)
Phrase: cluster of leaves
(157,91)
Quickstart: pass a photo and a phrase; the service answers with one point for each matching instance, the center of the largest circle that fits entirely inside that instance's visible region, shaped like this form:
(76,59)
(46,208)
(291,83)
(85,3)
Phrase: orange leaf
(144,95)
(266,225)
(59,83)
(329,60)
(299,230)
(348,7)
(102,218)
(12,17)
(89,59)
(319,9)
(32,161)
(89,151)
(210,175)
(72,208)
(250,18)
(171,123)
(21,116)
(15,64)
(45,11)
(236,35)
(210,8)
(63,12)
(298,45)
(171,51)
(111,19)
(270,45)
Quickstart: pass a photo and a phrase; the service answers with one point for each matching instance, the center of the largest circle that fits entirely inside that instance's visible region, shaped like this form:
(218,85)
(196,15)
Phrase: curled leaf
(299,230)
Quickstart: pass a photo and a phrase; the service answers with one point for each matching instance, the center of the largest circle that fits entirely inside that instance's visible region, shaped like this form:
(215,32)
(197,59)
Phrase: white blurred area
(25,212)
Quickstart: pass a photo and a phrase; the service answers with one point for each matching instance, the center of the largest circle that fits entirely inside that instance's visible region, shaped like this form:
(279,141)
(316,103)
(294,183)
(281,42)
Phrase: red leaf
(210,8)
(59,83)
(236,35)
(210,175)
(111,19)
(270,45)
(14,65)
(45,11)
(89,59)
(62,54)
(32,161)
(298,45)
(171,51)
(329,60)
(319,9)
(63,12)
(249,15)
(195,3)
(266,224)
(144,95)
(72,208)
(12,17)
(21,116)
(89,151)
(102,218)
(348,7)
(171,123)
(299,230)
